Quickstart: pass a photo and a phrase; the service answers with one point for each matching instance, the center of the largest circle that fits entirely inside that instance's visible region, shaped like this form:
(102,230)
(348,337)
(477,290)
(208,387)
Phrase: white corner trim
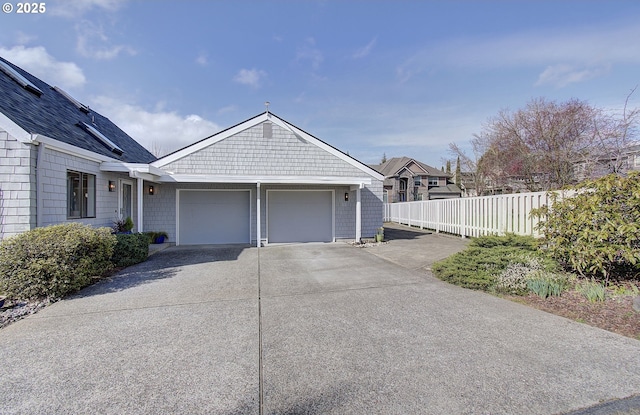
(14,129)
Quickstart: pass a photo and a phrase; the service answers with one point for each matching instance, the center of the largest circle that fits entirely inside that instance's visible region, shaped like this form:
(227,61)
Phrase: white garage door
(299,216)
(214,217)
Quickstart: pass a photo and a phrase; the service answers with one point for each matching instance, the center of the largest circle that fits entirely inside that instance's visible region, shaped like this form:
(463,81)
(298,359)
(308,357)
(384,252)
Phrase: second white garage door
(214,217)
(299,216)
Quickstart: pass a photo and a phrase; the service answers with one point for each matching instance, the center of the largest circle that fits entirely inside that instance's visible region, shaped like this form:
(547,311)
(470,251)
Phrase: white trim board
(204,178)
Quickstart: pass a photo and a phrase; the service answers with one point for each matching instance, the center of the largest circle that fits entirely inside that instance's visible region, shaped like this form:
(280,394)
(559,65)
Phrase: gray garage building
(259,182)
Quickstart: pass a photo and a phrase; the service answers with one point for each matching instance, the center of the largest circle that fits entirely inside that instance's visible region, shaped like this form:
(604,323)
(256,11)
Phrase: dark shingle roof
(394,165)
(54,116)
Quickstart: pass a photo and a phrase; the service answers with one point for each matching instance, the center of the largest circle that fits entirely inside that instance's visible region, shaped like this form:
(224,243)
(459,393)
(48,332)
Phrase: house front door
(125,202)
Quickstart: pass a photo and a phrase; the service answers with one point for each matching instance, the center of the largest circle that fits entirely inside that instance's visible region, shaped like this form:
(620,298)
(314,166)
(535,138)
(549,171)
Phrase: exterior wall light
(112,186)
(152,191)
(346,197)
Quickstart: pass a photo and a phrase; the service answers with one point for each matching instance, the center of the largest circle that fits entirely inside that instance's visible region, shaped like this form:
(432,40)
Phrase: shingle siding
(55,166)
(248,153)
(17,186)
(160,209)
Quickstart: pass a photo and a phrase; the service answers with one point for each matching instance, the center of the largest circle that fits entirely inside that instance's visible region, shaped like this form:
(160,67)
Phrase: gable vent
(24,82)
(101,137)
(267,130)
(71,99)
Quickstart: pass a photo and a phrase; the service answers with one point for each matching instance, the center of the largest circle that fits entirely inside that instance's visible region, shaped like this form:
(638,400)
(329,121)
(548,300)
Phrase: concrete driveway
(306,329)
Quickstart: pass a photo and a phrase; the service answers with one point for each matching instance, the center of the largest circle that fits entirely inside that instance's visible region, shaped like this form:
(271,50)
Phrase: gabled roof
(394,167)
(56,115)
(256,120)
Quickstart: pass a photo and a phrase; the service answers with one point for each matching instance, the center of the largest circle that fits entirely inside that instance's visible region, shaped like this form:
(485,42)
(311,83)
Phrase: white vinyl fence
(471,216)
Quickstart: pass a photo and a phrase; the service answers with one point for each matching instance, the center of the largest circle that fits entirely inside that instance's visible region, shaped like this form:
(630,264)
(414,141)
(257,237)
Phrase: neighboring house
(261,181)
(626,160)
(467,184)
(406,179)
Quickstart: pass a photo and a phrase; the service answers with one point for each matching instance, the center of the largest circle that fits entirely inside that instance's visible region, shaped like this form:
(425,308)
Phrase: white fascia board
(132,167)
(14,129)
(209,141)
(198,178)
(326,147)
(69,149)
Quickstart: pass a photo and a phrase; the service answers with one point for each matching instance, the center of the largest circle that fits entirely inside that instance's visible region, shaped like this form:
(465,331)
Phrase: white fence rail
(471,216)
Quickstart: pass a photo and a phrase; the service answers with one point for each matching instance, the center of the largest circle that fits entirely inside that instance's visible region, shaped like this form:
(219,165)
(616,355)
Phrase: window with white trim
(81,195)
(433,181)
(417,181)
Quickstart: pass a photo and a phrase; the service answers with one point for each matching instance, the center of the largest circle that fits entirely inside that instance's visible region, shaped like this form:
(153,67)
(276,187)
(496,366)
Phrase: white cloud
(202,59)
(75,8)
(160,130)
(562,75)
(93,43)
(38,62)
(309,52)
(252,77)
(23,38)
(366,50)
(590,52)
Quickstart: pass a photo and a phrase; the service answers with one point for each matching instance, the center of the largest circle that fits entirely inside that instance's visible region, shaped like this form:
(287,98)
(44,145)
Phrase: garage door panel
(300,216)
(214,217)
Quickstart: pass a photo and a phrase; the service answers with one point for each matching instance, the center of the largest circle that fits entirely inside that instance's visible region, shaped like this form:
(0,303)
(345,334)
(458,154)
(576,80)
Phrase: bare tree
(539,146)
(468,164)
(157,150)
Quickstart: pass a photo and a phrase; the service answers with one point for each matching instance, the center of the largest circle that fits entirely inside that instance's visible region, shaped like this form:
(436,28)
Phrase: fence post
(463,219)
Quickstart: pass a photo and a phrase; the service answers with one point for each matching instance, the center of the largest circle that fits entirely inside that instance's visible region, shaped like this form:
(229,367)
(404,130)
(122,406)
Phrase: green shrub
(596,232)
(130,249)
(53,261)
(527,243)
(592,291)
(478,266)
(514,278)
(545,284)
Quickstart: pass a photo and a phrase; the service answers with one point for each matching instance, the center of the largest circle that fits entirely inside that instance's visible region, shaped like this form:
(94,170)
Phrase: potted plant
(380,235)
(160,237)
(123,225)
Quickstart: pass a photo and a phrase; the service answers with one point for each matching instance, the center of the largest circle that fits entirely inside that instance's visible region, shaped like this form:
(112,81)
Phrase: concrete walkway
(305,329)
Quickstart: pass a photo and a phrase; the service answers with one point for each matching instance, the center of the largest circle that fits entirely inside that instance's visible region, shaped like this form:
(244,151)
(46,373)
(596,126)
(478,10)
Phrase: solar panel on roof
(71,99)
(97,134)
(24,82)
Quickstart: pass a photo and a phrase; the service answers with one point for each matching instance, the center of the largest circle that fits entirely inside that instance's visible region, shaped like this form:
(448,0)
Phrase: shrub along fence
(472,216)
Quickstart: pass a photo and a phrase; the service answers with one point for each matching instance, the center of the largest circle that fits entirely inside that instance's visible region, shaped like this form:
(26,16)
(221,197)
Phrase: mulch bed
(615,314)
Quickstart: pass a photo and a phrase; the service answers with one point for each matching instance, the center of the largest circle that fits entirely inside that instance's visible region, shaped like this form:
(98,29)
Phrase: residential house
(261,181)
(407,179)
(624,161)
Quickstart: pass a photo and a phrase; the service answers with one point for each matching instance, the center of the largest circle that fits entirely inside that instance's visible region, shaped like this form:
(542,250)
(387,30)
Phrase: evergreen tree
(458,179)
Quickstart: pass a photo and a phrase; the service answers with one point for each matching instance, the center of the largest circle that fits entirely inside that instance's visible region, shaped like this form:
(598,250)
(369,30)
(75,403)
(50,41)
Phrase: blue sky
(404,78)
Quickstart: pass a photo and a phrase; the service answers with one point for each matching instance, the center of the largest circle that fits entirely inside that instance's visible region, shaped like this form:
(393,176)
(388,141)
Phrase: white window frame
(84,194)
(120,201)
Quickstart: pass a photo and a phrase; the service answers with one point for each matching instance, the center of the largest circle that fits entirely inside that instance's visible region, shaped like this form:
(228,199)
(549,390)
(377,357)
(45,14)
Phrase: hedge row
(53,261)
